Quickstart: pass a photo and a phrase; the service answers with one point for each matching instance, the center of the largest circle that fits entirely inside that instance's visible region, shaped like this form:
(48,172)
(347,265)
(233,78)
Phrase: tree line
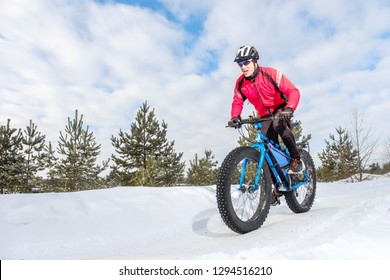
(348,153)
(145,157)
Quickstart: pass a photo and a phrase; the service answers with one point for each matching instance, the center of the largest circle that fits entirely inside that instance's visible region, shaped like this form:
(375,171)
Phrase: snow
(348,221)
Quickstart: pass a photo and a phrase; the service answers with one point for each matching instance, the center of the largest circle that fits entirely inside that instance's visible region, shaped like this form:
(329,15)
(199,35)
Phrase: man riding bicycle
(272,94)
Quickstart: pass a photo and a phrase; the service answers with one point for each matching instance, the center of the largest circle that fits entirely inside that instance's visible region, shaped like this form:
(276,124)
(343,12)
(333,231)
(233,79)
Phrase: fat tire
(308,189)
(224,188)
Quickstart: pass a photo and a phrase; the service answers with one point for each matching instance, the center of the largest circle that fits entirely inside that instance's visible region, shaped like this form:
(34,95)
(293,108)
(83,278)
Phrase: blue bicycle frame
(261,144)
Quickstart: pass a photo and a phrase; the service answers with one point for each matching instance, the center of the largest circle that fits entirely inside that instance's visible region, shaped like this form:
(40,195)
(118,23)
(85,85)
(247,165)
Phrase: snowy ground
(349,221)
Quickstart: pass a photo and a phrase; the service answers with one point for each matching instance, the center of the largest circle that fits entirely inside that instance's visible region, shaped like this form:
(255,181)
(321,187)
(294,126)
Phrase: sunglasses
(244,63)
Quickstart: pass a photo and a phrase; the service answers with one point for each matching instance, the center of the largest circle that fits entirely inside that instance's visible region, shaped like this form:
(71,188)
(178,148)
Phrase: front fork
(251,188)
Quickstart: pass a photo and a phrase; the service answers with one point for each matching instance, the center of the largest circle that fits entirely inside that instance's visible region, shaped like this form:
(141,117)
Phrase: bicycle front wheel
(243,204)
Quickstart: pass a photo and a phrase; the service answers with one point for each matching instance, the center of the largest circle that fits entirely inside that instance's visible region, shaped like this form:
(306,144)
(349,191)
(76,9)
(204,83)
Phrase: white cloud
(107,59)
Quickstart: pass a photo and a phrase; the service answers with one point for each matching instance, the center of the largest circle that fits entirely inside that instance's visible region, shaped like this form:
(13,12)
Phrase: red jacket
(270,97)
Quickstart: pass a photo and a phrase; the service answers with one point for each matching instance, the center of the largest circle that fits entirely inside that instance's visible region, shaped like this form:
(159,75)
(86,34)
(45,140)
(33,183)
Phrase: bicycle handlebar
(254,120)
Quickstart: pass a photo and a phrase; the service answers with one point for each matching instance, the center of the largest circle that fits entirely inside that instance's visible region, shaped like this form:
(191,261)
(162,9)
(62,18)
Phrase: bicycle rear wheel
(243,205)
(301,200)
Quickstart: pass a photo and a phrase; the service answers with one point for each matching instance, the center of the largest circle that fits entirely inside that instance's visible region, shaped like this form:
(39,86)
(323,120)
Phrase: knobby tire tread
(224,196)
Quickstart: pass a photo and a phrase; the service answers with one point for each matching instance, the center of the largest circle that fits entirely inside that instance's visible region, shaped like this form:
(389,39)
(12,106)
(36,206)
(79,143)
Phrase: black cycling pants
(281,128)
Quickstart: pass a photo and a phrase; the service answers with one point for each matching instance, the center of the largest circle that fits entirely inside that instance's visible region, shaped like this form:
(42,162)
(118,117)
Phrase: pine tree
(386,168)
(11,158)
(202,172)
(299,137)
(386,165)
(77,169)
(339,159)
(145,157)
(50,161)
(374,168)
(34,144)
(170,167)
(248,135)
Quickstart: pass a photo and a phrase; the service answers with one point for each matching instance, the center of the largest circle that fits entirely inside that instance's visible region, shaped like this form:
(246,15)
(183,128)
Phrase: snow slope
(347,221)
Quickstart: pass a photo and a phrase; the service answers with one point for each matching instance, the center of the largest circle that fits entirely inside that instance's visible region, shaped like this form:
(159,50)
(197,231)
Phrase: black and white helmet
(246,53)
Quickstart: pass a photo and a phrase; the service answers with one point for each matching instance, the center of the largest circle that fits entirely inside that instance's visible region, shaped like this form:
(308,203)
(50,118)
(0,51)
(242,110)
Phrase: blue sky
(193,21)
(105,58)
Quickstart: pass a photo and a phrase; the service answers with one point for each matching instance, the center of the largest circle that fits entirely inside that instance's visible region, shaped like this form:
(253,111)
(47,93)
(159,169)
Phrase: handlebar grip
(237,125)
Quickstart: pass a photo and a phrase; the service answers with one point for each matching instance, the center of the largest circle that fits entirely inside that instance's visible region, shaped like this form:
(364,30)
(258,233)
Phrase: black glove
(235,122)
(286,114)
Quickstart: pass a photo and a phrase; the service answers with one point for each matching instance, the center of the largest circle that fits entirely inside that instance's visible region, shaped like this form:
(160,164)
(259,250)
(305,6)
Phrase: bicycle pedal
(276,202)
